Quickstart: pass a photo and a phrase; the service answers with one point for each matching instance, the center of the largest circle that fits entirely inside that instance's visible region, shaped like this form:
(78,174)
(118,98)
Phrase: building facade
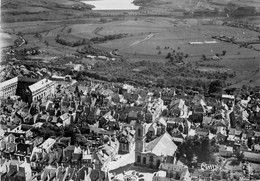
(22,87)
(151,154)
(41,89)
(8,88)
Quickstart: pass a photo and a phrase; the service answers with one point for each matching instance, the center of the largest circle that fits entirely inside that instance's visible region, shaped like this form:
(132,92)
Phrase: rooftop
(162,145)
(228,96)
(40,84)
(8,82)
(48,143)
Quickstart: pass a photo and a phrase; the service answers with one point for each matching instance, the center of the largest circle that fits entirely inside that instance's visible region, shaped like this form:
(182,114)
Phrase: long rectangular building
(41,89)
(8,88)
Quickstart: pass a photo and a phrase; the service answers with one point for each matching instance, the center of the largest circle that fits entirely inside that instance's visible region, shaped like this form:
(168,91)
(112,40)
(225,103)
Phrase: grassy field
(168,35)
(145,35)
(6,39)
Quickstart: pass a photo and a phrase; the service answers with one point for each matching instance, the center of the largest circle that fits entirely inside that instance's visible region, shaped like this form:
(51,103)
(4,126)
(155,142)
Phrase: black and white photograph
(130,90)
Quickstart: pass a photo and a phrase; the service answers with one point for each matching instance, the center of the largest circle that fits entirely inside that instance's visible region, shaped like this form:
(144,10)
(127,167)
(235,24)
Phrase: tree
(207,153)
(38,35)
(204,57)
(159,53)
(215,87)
(84,41)
(46,43)
(224,175)
(20,34)
(168,55)
(69,30)
(224,52)
(240,156)
(103,20)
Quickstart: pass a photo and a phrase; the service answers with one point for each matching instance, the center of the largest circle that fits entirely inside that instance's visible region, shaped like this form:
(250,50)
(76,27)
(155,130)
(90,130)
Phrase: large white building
(42,89)
(8,88)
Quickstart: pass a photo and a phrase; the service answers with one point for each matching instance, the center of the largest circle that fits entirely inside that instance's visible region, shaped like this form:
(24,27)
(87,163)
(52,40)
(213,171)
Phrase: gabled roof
(169,159)
(162,145)
(60,173)
(47,171)
(65,116)
(2,145)
(80,174)
(70,172)
(67,153)
(202,132)
(52,157)
(10,147)
(40,84)
(162,121)
(12,170)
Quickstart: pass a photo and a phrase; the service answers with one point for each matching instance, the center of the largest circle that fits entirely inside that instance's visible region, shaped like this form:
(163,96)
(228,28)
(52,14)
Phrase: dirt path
(97,30)
(139,41)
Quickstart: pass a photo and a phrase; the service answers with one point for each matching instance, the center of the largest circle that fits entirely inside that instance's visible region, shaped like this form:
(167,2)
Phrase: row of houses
(106,119)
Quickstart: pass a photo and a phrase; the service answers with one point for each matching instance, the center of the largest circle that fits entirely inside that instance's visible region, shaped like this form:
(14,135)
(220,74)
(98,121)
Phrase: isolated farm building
(102,58)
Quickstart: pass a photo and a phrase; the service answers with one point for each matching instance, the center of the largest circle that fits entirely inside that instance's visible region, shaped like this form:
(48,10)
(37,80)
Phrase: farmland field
(149,38)
(166,34)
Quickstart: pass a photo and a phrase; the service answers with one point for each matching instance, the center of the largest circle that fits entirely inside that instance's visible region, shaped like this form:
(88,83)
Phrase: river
(112,4)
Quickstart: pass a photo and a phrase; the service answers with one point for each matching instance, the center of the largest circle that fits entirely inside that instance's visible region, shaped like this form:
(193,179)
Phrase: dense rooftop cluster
(74,131)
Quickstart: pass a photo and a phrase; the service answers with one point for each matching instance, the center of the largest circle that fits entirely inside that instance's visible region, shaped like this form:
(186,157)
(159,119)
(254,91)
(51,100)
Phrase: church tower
(139,141)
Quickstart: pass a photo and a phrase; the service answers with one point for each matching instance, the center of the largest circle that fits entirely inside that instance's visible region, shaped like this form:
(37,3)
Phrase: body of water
(112,4)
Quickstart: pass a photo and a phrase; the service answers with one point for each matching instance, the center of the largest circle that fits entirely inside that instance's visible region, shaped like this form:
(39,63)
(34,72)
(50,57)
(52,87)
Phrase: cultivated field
(147,38)
(174,35)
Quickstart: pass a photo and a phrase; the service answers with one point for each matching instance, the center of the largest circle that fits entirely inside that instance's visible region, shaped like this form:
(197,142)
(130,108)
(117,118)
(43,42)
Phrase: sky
(112,4)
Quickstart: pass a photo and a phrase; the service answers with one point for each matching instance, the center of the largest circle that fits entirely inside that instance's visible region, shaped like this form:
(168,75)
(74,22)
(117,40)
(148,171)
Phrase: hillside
(37,10)
(235,8)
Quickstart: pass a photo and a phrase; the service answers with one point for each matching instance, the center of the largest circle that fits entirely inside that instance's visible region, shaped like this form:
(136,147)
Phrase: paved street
(125,163)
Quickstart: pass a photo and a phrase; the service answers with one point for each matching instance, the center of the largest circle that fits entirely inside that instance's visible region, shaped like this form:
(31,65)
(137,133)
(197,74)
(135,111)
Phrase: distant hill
(38,10)
(233,7)
(33,10)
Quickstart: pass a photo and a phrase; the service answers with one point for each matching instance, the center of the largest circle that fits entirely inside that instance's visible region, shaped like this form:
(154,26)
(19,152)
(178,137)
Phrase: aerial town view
(130,90)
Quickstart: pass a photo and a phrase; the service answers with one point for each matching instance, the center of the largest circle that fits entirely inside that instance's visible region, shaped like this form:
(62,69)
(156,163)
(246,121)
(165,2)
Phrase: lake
(112,4)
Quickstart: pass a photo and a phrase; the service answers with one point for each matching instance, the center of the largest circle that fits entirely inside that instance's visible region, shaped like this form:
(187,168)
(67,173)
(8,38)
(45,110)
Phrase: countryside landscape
(147,34)
(179,52)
